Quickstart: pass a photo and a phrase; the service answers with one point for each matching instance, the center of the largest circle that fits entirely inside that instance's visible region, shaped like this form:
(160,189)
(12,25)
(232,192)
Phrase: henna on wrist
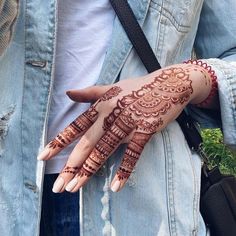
(214,85)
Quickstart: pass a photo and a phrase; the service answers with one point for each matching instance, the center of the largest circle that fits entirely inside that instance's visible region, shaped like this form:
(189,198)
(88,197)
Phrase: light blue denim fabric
(162,196)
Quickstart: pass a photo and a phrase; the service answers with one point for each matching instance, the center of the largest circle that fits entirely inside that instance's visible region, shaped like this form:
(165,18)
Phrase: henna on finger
(76,127)
(70,170)
(132,154)
(69,134)
(107,144)
(67,173)
(111,93)
(82,123)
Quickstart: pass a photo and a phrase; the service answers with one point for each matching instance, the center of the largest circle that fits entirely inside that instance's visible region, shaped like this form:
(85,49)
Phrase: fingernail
(58,185)
(115,187)
(71,184)
(44,154)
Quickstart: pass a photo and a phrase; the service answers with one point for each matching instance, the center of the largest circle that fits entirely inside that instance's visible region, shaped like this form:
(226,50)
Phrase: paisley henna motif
(172,86)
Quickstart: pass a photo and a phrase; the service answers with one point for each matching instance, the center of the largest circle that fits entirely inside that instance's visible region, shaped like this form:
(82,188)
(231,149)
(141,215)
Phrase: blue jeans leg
(60,211)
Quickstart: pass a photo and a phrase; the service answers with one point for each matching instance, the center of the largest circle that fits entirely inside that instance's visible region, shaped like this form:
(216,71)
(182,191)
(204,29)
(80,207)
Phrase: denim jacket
(162,195)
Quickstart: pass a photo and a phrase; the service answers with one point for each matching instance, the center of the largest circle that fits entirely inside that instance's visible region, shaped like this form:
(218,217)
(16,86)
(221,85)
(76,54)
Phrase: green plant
(218,152)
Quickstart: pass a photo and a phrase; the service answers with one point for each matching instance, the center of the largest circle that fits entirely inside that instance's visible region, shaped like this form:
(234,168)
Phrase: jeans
(60,211)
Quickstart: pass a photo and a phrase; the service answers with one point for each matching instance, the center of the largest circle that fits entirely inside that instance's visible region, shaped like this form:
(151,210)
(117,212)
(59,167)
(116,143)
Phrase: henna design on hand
(85,120)
(146,107)
(148,127)
(141,113)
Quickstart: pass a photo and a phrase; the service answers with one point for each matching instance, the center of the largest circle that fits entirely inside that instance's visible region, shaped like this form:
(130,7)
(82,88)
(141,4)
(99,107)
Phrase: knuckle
(111,104)
(84,143)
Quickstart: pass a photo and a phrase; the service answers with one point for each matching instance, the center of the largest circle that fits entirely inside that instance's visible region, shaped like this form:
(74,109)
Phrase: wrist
(204,82)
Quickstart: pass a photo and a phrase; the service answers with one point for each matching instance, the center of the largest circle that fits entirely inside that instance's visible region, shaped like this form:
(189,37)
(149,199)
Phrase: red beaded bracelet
(214,87)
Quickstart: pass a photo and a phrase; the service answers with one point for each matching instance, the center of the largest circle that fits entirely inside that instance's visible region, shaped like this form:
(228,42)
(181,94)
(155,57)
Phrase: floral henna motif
(151,105)
(173,80)
(172,86)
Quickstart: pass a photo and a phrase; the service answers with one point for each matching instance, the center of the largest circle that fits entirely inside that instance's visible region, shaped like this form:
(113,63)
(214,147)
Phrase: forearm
(8,14)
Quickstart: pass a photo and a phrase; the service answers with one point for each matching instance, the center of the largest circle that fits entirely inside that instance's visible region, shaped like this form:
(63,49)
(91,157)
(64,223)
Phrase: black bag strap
(135,34)
(147,56)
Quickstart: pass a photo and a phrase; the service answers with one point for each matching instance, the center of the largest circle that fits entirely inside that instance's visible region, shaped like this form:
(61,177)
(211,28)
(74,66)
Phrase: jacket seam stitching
(164,12)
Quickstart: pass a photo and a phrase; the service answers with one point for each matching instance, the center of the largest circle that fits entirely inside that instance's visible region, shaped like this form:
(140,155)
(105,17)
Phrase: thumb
(90,94)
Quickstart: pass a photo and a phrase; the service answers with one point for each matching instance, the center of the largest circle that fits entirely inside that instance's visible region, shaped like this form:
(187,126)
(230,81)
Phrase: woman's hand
(130,111)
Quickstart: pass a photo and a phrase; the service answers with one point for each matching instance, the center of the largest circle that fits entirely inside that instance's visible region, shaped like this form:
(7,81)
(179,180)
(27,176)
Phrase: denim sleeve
(8,14)
(216,43)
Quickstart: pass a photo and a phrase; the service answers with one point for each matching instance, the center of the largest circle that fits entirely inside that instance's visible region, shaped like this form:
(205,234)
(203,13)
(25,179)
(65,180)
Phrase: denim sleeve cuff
(226,77)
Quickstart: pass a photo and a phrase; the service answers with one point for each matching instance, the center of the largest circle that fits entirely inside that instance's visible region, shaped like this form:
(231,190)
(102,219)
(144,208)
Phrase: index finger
(73,131)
